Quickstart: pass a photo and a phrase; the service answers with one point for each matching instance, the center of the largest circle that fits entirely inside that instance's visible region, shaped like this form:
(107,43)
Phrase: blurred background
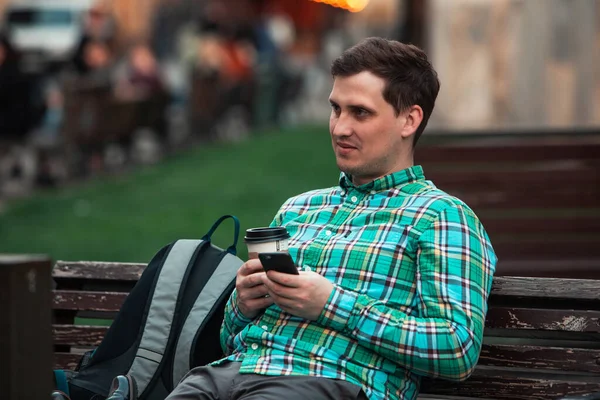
(127,124)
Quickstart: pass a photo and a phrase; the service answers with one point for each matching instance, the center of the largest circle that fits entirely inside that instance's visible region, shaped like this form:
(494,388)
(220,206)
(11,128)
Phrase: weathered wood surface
(547,224)
(79,300)
(581,289)
(494,179)
(571,248)
(519,198)
(565,269)
(510,150)
(78,335)
(66,361)
(98,270)
(548,358)
(558,225)
(540,319)
(499,387)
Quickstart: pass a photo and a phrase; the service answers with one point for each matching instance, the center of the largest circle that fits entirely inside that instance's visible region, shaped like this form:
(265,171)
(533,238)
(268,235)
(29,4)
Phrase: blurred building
(516,63)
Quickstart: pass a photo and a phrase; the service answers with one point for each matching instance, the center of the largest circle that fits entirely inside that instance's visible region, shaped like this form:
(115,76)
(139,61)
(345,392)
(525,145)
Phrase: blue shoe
(123,387)
(58,395)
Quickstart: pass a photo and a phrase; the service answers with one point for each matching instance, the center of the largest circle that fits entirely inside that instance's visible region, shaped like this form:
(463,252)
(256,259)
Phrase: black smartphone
(280,262)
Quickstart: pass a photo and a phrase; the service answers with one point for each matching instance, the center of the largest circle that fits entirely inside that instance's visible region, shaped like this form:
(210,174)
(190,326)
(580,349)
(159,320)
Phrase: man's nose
(342,126)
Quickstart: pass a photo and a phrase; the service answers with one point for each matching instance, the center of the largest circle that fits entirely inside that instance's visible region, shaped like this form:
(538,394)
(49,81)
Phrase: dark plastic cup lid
(261,235)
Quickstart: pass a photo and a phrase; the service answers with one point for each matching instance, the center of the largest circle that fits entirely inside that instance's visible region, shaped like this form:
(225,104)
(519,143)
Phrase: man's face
(365,132)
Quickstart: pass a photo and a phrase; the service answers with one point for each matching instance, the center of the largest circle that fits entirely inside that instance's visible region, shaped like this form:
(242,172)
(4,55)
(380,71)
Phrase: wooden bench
(542,337)
(538,196)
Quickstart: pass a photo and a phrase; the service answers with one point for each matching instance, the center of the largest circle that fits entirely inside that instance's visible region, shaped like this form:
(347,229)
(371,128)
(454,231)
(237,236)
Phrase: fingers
(279,291)
(288,280)
(256,279)
(252,293)
(250,267)
(259,303)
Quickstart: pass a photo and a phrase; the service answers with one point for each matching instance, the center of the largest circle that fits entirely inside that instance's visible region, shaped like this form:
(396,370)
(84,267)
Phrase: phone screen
(280,262)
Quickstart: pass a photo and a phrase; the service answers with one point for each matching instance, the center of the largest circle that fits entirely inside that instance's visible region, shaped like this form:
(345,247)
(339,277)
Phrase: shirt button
(354,199)
(266,328)
(307,268)
(343,193)
(328,233)
(254,346)
(373,192)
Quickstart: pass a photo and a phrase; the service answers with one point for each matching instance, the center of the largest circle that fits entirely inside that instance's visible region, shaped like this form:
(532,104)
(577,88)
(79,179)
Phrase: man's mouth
(345,146)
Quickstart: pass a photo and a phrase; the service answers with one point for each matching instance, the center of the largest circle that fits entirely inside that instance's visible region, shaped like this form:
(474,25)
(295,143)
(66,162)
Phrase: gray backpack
(168,324)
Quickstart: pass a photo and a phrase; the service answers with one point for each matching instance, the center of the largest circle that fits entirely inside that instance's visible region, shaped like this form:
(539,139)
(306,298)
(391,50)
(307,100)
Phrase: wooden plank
(509,150)
(88,301)
(500,387)
(548,358)
(98,270)
(524,198)
(67,361)
(563,188)
(544,224)
(579,269)
(565,177)
(540,319)
(548,248)
(78,335)
(578,289)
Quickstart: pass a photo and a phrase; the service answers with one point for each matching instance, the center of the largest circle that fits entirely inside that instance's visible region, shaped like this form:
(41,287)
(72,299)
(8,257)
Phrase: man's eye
(335,108)
(361,112)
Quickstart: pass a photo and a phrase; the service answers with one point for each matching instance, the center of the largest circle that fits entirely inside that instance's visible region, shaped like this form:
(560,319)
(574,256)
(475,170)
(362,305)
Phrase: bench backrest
(538,197)
(542,335)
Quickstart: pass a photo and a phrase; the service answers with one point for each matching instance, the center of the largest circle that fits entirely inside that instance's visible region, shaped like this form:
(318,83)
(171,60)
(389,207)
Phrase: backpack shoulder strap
(221,279)
(159,320)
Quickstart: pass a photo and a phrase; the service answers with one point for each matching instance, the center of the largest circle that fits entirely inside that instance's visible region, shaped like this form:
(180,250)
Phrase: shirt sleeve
(233,323)
(455,265)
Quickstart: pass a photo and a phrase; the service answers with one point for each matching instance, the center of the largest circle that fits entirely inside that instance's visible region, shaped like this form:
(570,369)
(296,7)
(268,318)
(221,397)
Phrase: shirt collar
(396,179)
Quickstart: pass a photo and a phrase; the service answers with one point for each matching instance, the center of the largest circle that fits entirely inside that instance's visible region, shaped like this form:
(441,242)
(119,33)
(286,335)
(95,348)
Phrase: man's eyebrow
(360,107)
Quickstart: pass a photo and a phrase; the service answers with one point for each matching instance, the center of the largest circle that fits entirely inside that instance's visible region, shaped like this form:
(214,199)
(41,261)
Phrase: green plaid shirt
(412,270)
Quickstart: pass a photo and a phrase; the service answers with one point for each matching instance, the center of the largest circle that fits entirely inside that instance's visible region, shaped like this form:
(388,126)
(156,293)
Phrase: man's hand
(250,289)
(303,295)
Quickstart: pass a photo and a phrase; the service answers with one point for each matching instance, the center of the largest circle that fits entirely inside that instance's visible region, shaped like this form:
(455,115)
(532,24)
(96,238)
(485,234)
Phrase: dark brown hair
(410,78)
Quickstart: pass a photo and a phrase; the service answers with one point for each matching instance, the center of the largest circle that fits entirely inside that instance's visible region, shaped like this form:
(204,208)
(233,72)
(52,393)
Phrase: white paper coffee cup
(266,240)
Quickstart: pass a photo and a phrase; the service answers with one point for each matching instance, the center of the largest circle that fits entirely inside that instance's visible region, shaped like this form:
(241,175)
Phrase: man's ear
(412,120)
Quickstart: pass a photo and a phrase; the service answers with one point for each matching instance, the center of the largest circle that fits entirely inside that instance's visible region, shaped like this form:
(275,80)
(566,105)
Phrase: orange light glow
(350,5)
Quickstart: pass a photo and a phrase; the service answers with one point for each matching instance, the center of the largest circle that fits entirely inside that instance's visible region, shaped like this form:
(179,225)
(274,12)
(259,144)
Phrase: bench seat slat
(549,358)
(67,361)
(557,225)
(498,387)
(112,271)
(513,198)
(576,289)
(550,247)
(540,319)
(79,300)
(588,268)
(78,335)
(517,151)
(545,178)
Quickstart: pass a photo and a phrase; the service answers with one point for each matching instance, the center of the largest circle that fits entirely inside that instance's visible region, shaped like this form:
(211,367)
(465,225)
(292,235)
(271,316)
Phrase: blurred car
(45,32)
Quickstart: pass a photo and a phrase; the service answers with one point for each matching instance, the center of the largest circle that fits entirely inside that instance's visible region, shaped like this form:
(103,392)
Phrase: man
(395,272)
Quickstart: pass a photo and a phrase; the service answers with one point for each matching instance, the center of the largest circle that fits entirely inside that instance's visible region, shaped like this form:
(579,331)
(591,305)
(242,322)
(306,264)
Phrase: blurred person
(16,109)
(142,83)
(99,64)
(99,25)
(395,273)
(142,78)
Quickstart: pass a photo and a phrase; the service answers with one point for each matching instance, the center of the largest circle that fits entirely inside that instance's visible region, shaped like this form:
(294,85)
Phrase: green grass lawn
(130,217)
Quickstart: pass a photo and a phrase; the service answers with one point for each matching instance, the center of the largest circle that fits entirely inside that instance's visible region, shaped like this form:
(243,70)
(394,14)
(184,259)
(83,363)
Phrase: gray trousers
(224,382)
